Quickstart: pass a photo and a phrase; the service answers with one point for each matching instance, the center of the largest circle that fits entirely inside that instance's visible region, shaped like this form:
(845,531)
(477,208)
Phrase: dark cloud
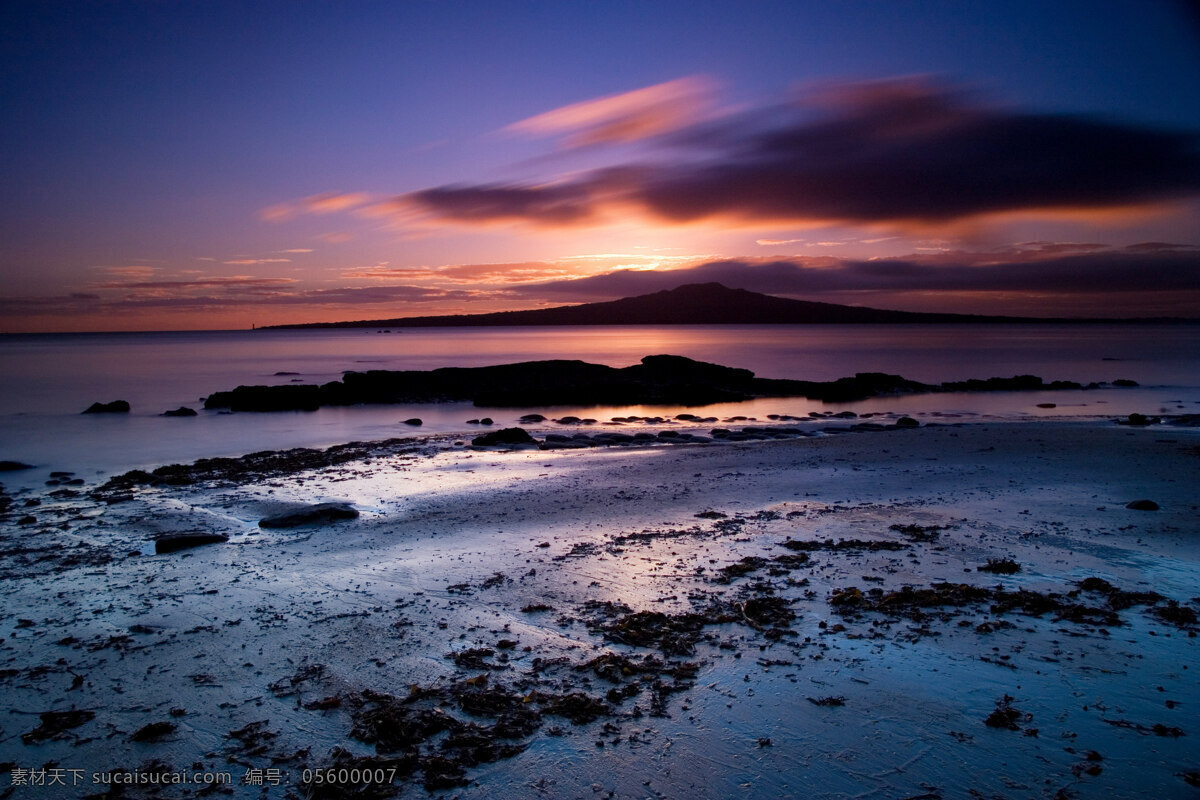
(76,302)
(236,282)
(369,295)
(898,151)
(565,204)
(247,294)
(1119,271)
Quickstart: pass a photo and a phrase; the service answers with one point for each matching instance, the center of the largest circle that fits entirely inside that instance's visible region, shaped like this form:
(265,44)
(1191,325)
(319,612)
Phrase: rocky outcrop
(115,407)
(13,466)
(657,380)
(182,411)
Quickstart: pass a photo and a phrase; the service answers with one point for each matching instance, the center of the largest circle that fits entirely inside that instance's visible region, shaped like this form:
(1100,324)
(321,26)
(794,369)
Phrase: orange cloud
(324,203)
(626,117)
(131,272)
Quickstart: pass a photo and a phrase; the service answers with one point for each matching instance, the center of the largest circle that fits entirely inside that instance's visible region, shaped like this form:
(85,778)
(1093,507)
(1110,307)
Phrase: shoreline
(307,630)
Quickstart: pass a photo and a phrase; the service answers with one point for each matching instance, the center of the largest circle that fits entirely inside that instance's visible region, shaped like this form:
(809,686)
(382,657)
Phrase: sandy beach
(964,610)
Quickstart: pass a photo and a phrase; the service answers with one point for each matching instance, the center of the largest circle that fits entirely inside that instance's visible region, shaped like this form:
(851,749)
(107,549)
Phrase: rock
(1125,382)
(321,512)
(269,398)
(1139,420)
(12,466)
(486,421)
(907,422)
(115,407)
(530,419)
(153,732)
(414,421)
(1047,405)
(504,436)
(1142,505)
(182,411)
(172,542)
(53,723)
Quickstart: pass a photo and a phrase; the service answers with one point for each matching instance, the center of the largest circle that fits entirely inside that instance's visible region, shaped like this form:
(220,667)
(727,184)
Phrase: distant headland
(692,304)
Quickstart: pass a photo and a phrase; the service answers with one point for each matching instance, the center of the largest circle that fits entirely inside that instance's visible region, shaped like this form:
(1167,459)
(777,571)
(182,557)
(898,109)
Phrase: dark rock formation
(182,411)
(115,407)
(657,380)
(414,421)
(1017,383)
(1142,505)
(504,436)
(172,542)
(321,512)
(12,466)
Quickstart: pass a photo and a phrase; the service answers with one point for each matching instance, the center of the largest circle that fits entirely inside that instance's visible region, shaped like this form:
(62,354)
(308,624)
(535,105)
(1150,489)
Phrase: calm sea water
(50,378)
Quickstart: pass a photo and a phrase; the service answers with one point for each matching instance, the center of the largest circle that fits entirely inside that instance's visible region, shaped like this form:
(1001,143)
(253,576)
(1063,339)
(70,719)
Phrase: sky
(175,165)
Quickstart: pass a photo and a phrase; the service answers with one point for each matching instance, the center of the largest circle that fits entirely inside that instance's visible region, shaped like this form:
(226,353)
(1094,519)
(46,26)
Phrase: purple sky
(176,165)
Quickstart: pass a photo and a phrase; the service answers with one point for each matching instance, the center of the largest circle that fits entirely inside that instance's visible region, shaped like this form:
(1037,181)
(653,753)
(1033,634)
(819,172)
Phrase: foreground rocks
(174,542)
(321,512)
(504,436)
(253,466)
(659,379)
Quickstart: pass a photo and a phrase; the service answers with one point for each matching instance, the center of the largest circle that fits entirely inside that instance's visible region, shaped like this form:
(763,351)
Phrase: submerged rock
(182,411)
(12,466)
(414,421)
(1142,505)
(321,512)
(115,407)
(173,542)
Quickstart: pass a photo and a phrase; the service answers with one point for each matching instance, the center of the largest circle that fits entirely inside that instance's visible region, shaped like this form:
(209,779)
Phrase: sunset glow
(192,166)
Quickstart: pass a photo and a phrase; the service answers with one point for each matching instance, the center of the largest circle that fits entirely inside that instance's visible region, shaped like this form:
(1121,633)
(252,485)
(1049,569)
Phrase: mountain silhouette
(690,304)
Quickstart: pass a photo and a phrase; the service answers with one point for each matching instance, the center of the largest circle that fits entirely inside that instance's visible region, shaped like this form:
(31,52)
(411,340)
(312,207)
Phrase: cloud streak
(173,296)
(627,117)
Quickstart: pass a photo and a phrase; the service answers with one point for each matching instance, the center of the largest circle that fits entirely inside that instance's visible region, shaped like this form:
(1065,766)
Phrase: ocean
(51,378)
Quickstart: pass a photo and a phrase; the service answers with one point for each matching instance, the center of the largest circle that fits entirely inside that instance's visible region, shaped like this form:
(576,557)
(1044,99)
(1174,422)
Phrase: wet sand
(698,620)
